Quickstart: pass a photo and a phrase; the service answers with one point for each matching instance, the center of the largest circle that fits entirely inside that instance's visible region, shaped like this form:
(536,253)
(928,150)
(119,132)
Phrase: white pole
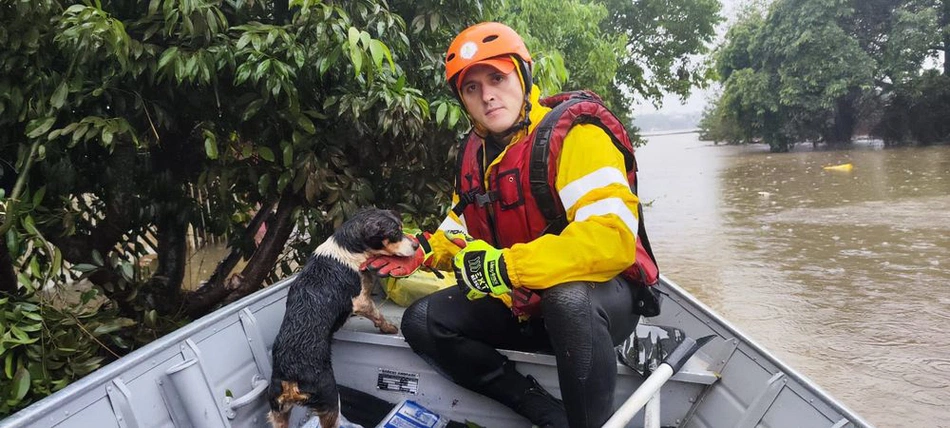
(651,413)
(639,398)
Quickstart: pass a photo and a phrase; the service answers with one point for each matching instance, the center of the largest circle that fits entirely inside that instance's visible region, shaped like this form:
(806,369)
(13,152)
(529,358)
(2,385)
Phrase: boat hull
(209,374)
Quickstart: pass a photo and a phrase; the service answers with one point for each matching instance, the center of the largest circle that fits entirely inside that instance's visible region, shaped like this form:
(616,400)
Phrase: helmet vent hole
(451,57)
(490,38)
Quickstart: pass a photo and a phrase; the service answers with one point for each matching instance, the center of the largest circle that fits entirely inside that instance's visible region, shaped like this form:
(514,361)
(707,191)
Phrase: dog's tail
(282,395)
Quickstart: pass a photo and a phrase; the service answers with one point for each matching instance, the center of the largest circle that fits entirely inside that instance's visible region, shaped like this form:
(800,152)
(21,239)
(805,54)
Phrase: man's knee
(567,297)
(415,327)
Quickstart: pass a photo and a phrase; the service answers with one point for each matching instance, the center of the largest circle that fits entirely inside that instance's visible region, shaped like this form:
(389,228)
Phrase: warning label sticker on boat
(397,381)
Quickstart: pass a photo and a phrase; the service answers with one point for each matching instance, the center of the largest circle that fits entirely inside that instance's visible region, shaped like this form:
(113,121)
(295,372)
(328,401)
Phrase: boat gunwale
(37,411)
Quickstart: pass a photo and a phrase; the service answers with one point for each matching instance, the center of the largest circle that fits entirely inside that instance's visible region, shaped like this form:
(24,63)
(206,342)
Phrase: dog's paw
(388,328)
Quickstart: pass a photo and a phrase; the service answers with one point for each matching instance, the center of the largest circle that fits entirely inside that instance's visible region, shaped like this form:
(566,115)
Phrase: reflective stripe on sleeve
(614,206)
(576,189)
(450,224)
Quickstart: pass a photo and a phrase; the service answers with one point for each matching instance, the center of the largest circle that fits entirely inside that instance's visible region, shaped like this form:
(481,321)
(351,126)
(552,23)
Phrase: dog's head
(374,231)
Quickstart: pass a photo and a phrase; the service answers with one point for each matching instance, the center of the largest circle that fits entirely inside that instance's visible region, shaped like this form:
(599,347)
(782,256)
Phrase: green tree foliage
(619,49)
(917,111)
(816,69)
(664,39)
(131,123)
(794,74)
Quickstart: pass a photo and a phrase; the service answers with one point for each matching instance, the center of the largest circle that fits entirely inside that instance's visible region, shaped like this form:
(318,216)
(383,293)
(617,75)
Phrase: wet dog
(327,291)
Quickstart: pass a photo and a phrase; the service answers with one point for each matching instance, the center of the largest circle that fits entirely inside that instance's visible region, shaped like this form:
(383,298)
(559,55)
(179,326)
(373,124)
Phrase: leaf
(85,267)
(21,384)
(39,127)
(20,334)
(306,124)
(287,152)
(127,272)
(167,56)
(35,267)
(266,153)
(57,262)
(8,365)
(454,115)
(98,258)
(151,318)
(38,196)
(211,148)
(113,326)
(263,184)
(354,36)
(376,50)
(356,56)
(440,112)
(88,295)
(106,137)
(59,96)
(30,225)
(252,109)
(283,180)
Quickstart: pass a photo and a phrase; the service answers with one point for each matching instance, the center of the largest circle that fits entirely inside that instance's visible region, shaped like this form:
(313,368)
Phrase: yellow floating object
(842,167)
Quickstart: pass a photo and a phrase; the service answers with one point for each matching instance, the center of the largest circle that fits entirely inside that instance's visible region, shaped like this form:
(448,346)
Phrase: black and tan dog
(330,288)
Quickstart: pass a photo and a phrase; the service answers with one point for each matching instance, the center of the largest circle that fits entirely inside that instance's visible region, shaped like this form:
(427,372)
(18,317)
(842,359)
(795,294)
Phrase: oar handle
(670,365)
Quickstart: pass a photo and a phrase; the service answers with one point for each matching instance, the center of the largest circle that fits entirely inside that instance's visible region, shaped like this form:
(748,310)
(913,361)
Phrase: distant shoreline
(672,132)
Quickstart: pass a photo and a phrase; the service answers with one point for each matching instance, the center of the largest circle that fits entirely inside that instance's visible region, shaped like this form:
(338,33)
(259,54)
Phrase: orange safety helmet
(481,42)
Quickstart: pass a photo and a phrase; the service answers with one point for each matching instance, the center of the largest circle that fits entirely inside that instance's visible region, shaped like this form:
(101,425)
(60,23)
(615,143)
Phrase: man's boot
(526,397)
(541,408)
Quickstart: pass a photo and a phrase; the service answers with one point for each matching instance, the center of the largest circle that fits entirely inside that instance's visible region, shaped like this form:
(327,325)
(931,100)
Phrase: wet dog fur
(326,292)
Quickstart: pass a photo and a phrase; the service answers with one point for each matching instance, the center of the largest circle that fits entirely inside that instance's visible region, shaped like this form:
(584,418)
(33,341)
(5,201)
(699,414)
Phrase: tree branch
(262,262)
(215,290)
(8,283)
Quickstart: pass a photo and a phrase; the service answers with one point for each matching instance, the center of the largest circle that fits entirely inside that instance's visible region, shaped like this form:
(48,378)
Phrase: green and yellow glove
(479,267)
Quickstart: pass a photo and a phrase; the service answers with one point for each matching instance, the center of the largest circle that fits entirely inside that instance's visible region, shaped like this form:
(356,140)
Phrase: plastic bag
(404,291)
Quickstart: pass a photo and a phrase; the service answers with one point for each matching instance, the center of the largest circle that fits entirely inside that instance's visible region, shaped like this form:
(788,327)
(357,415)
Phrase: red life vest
(521,203)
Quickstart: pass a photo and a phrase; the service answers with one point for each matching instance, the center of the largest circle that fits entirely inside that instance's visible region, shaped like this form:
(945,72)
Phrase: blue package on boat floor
(409,414)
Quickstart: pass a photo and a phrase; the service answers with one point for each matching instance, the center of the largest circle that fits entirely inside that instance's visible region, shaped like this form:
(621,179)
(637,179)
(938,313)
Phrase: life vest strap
(474,197)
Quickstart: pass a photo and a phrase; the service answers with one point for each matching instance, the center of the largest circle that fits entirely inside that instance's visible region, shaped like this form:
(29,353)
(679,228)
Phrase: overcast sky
(695,103)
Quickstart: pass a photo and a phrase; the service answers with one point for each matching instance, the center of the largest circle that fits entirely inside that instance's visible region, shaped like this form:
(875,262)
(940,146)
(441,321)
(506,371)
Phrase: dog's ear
(382,228)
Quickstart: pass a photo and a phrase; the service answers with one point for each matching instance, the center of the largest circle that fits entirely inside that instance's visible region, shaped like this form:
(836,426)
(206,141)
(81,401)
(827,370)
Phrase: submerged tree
(794,74)
(832,65)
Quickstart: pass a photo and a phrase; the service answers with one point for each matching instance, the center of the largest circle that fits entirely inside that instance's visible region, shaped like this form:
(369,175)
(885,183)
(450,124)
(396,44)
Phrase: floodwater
(843,275)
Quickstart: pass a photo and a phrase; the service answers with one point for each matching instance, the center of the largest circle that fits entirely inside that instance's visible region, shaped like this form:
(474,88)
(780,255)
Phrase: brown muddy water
(845,276)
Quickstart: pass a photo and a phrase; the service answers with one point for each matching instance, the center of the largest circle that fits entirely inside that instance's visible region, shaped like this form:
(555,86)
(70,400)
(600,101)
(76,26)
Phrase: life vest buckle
(483,199)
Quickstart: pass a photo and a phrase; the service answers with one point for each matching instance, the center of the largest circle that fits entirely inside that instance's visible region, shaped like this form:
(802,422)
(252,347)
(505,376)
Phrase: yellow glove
(479,267)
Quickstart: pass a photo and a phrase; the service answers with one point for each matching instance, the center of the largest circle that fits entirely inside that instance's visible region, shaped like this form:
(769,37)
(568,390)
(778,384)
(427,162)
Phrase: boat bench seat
(648,345)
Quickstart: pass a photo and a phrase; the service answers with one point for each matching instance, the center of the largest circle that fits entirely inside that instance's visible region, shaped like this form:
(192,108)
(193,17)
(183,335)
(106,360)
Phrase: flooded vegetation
(841,274)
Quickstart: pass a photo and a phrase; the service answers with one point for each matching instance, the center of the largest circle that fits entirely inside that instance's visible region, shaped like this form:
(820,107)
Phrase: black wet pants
(581,322)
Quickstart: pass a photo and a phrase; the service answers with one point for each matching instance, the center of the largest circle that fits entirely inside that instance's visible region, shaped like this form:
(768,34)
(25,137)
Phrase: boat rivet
(677,422)
(691,399)
(109,388)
